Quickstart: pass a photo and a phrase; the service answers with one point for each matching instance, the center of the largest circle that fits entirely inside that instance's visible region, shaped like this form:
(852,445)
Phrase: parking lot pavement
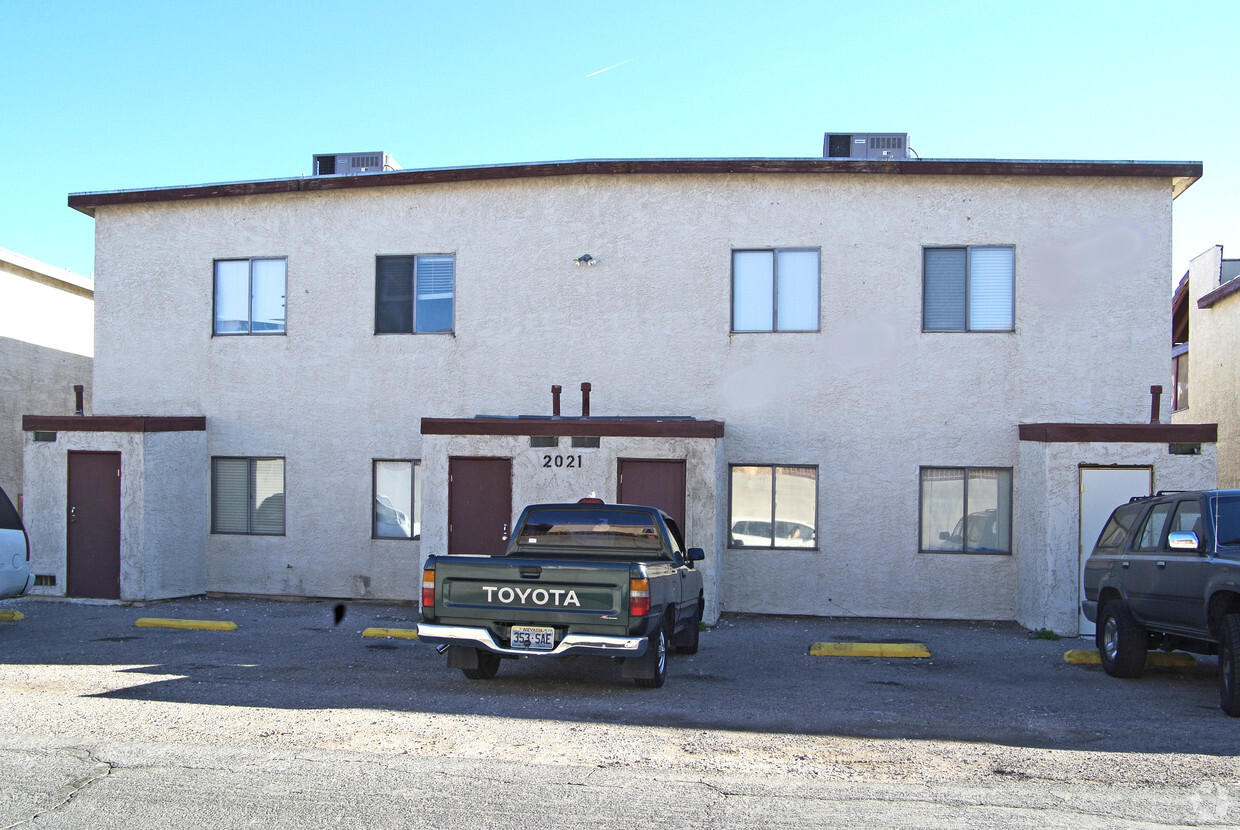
(982,682)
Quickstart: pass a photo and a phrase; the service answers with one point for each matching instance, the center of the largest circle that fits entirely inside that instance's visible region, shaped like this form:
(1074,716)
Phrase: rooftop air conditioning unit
(865,146)
(349,164)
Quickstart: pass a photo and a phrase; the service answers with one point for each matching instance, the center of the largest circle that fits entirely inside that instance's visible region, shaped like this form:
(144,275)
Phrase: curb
(1162,659)
(9,615)
(186,625)
(869,650)
(399,633)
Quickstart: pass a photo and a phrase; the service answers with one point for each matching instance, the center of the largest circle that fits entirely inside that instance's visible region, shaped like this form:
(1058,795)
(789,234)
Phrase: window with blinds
(775,290)
(414,294)
(966,510)
(968,289)
(247,496)
(250,296)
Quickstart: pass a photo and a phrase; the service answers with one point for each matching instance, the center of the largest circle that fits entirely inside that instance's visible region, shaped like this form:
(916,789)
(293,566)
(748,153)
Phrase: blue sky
(111,95)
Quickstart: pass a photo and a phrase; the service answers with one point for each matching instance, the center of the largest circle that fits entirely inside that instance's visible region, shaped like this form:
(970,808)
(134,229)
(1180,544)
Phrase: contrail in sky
(608,69)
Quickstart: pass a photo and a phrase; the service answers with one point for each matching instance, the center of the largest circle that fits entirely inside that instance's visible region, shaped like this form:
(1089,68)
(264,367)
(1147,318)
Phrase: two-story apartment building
(866,387)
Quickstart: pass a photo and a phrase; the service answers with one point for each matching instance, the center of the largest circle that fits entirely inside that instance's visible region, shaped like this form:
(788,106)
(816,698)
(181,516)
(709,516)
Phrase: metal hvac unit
(349,164)
(865,146)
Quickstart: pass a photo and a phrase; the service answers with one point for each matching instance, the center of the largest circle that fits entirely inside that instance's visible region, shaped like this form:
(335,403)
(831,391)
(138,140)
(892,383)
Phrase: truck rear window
(610,531)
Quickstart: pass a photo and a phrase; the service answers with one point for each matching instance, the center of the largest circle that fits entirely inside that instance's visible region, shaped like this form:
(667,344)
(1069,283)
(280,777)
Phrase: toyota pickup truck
(1165,573)
(607,580)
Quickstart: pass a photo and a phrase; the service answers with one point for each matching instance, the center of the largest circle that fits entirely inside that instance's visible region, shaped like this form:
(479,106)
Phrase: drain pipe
(1155,403)
(79,392)
(585,400)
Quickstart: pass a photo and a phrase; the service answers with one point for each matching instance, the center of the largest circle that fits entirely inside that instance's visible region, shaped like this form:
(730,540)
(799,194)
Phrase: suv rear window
(1227,520)
(9,520)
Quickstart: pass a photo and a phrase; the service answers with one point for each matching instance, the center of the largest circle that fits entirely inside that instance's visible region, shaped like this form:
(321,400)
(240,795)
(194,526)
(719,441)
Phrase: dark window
(247,496)
(414,294)
(1155,526)
(9,520)
(1119,526)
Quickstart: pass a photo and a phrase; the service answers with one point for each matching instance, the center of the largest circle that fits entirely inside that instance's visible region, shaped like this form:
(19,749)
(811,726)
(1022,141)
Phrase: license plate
(535,639)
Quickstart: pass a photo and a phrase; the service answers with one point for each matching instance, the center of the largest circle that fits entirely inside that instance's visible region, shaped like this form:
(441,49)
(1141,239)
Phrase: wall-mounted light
(585,259)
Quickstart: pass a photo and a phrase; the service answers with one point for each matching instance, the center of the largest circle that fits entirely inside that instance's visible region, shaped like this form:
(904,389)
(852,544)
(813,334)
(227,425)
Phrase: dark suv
(1165,573)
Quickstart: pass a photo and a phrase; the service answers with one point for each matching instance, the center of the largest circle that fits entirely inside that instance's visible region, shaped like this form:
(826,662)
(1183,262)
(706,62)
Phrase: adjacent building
(1206,306)
(47,320)
(866,386)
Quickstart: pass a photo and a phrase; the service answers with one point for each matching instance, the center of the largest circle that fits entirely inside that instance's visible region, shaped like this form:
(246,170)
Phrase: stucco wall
(868,399)
(163,510)
(1214,364)
(1049,481)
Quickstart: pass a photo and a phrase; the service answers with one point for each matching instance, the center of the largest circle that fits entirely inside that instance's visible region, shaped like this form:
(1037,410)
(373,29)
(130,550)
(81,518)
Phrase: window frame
(215,298)
(250,496)
(773,468)
(413,296)
(968,300)
(775,328)
(1180,381)
(415,487)
(964,546)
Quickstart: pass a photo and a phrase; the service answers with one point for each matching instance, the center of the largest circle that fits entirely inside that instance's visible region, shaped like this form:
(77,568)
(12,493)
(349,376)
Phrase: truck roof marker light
(428,588)
(639,596)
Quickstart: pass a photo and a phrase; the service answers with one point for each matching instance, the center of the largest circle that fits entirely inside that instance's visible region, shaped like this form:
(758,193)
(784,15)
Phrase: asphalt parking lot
(982,682)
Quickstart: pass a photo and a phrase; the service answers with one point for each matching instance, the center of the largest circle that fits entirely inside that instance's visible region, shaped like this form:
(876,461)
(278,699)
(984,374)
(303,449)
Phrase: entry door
(93,548)
(655,483)
(1102,490)
(479,505)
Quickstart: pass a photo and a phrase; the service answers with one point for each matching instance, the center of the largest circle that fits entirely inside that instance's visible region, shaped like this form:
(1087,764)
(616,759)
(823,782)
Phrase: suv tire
(1122,641)
(1229,665)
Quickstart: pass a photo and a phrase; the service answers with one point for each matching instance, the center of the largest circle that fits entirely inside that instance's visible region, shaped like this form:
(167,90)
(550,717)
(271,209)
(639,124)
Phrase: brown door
(479,505)
(656,483)
(93,550)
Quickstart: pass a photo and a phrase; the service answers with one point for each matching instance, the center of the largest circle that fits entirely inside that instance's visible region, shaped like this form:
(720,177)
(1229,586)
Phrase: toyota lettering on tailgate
(555,597)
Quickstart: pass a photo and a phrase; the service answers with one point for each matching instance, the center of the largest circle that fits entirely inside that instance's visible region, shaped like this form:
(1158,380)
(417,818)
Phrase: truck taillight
(428,588)
(639,596)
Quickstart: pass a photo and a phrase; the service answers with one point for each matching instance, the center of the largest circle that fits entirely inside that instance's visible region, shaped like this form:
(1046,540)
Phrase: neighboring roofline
(1225,290)
(1182,173)
(56,275)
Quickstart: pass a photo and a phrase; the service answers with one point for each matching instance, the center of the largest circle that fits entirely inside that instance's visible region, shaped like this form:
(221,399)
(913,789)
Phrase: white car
(15,576)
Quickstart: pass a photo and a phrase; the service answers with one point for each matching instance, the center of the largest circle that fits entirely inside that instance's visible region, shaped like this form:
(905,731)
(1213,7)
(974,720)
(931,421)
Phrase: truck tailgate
(525,590)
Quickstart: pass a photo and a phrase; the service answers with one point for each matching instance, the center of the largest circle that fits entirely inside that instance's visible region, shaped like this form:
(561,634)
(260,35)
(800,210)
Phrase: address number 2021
(550,461)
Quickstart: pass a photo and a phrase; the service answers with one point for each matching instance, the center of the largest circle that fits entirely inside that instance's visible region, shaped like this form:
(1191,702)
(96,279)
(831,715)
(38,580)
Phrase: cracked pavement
(292,721)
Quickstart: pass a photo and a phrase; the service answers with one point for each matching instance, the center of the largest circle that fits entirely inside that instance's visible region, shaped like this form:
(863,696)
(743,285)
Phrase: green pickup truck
(609,580)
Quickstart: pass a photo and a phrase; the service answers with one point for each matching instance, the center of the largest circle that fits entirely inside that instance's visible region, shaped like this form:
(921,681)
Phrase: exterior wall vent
(865,146)
(351,164)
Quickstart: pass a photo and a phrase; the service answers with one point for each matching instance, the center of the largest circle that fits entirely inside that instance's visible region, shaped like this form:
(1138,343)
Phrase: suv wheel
(1122,641)
(1228,665)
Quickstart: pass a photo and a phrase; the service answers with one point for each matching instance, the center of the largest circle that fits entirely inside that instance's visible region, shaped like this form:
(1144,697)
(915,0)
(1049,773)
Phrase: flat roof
(1182,174)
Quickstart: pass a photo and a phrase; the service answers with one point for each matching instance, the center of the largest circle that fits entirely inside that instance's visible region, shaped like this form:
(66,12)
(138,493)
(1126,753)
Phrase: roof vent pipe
(79,392)
(1155,403)
(555,401)
(585,400)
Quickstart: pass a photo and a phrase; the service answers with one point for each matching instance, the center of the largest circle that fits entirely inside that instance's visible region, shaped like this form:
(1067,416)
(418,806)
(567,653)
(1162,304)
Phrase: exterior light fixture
(585,259)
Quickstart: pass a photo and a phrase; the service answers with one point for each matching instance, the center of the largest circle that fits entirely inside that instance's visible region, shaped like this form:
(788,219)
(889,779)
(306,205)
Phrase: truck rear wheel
(658,646)
(1122,641)
(488,665)
(1228,665)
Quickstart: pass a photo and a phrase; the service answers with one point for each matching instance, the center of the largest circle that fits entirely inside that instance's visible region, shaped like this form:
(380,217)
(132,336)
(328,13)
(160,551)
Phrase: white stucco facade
(867,400)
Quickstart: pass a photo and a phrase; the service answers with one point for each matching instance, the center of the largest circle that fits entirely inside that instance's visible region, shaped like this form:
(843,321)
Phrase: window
(397,510)
(773,507)
(968,289)
(249,296)
(247,496)
(1119,525)
(1151,535)
(966,510)
(1179,377)
(775,290)
(413,294)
